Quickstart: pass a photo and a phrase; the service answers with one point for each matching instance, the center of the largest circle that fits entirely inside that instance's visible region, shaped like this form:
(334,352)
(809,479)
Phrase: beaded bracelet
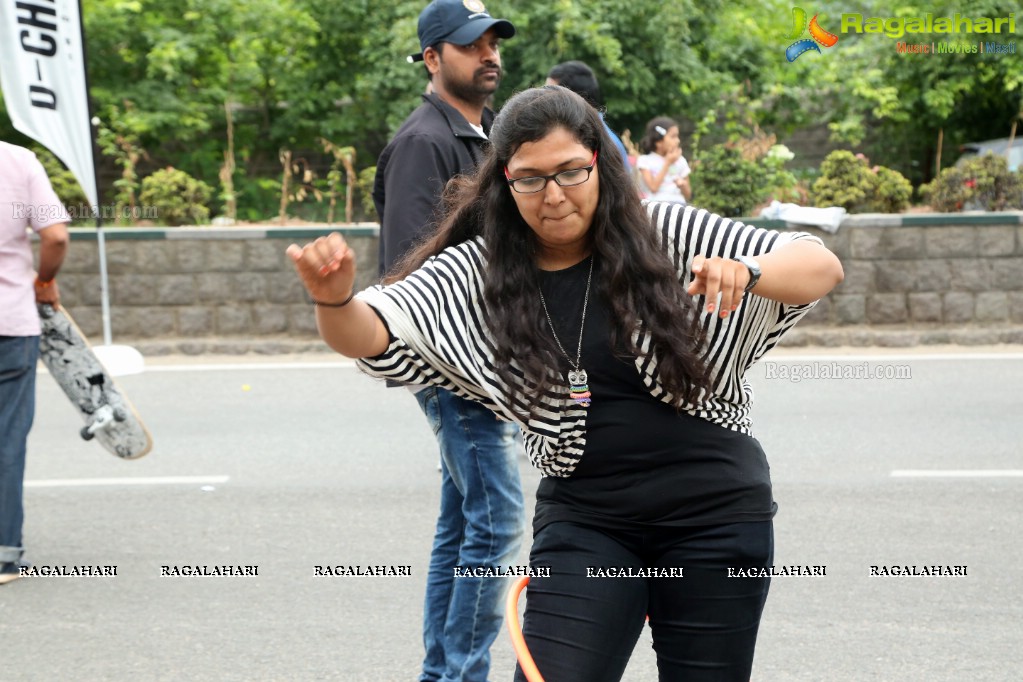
(342,304)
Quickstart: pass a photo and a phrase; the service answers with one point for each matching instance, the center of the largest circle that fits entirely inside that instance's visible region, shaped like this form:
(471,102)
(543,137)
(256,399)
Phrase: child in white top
(663,171)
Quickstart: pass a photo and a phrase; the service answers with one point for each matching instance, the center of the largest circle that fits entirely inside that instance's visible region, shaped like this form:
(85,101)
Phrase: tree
(289,72)
(898,104)
(641,50)
(179,63)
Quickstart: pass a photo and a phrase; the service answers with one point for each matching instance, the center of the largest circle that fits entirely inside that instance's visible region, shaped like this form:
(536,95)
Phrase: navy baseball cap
(459,22)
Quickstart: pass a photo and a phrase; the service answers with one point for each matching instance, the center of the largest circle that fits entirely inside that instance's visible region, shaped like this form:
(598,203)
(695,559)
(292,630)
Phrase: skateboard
(109,418)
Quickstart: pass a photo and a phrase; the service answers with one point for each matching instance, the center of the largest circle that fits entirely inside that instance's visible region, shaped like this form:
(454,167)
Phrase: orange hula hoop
(525,659)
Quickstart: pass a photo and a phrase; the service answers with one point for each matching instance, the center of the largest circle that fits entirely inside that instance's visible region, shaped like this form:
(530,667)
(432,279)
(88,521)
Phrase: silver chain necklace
(579,391)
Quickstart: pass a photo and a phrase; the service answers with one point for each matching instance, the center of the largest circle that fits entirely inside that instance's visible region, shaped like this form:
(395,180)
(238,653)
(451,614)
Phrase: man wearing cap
(482,516)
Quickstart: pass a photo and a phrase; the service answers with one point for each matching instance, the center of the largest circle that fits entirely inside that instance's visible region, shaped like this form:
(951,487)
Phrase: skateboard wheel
(120,414)
(86,433)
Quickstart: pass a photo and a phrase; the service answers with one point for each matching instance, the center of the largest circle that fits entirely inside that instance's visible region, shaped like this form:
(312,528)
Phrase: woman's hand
(713,276)
(326,267)
(349,326)
(796,273)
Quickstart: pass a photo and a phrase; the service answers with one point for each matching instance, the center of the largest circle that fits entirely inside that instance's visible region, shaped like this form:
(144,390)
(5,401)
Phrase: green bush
(892,193)
(847,180)
(179,199)
(982,182)
(259,199)
(726,183)
(780,184)
(64,184)
(365,190)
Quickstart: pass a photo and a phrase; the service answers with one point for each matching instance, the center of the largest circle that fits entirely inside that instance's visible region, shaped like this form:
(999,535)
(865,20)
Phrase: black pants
(704,624)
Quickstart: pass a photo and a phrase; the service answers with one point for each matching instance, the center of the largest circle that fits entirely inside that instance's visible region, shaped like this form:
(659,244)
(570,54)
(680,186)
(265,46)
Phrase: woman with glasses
(616,336)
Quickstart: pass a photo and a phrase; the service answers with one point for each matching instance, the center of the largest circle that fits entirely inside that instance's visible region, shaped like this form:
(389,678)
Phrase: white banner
(42,71)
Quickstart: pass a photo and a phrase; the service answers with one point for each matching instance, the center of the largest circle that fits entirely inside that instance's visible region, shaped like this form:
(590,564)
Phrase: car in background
(999,146)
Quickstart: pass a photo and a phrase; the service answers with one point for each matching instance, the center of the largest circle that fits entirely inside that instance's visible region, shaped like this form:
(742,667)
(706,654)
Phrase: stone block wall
(190,284)
(927,272)
(922,278)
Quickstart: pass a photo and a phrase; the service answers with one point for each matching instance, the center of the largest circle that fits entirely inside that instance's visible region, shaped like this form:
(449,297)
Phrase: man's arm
(52,230)
(413,181)
(53,242)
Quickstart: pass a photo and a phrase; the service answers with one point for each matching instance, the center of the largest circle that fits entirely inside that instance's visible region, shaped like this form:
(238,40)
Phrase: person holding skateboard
(27,201)
(617,336)
(482,517)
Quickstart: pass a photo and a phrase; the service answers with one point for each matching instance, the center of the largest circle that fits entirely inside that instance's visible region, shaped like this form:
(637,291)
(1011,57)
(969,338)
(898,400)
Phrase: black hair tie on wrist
(342,304)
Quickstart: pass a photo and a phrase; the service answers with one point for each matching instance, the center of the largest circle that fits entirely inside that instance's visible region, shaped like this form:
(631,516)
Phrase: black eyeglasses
(566,178)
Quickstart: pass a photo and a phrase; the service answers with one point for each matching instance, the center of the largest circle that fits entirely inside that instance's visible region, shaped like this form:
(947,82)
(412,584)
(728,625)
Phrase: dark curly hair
(637,281)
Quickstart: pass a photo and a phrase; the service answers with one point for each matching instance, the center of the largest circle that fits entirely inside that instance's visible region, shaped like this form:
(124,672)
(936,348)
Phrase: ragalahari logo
(817,35)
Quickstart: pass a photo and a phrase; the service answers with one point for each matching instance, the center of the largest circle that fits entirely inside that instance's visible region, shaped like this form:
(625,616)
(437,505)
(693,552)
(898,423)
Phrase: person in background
(482,516)
(27,202)
(618,338)
(663,171)
(579,78)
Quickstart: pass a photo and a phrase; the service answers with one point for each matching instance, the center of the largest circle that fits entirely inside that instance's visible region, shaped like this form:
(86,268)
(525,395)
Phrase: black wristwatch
(754,270)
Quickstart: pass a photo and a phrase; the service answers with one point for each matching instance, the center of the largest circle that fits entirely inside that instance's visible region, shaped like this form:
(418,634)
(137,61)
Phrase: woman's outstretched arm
(327,269)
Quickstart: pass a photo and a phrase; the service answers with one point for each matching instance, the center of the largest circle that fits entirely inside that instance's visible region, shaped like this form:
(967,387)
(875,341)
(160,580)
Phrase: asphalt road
(289,467)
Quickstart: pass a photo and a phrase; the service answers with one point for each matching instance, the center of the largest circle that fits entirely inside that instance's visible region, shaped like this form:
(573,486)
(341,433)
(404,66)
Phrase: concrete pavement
(291,463)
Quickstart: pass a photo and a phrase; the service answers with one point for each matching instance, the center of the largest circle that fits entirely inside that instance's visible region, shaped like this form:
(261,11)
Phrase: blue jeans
(481,523)
(18,357)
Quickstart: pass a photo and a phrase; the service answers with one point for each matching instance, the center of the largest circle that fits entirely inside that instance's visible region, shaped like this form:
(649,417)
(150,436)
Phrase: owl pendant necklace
(579,390)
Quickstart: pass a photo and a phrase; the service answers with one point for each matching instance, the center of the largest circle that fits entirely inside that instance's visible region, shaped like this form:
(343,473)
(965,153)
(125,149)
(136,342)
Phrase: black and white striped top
(438,335)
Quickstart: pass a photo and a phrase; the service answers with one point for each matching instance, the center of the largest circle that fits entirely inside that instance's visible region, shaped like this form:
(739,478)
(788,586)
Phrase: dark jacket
(434,144)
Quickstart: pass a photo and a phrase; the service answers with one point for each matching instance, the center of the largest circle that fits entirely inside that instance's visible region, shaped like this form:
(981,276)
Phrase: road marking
(779,357)
(891,357)
(152,480)
(249,366)
(957,473)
